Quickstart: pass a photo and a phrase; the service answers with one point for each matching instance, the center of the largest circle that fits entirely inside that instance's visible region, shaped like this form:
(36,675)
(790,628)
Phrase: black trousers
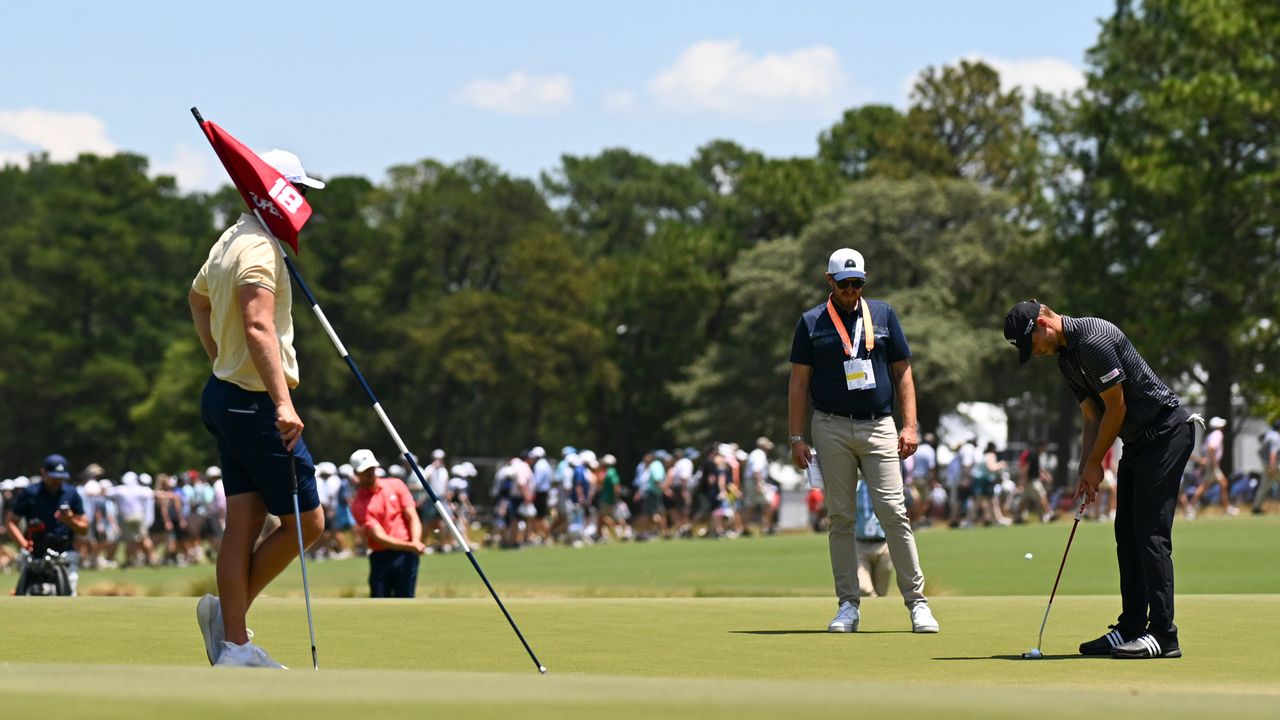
(1147,484)
(393,574)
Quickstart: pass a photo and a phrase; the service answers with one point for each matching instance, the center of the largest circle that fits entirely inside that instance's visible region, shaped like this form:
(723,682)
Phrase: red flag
(277,201)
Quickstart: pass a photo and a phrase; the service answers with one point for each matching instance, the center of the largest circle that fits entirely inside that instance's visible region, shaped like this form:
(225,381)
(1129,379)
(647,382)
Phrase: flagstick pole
(441,509)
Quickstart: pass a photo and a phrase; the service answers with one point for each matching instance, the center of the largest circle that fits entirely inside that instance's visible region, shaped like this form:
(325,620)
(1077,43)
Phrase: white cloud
(719,76)
(619,101)
(520,93)
(194,168)
(63,135)
(1051,75)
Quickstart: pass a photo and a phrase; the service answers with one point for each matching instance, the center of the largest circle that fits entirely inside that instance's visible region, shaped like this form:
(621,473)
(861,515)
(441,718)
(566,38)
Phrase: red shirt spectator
(383,507)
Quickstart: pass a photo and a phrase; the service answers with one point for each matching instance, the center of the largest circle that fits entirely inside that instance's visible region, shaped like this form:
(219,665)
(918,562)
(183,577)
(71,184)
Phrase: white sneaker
(922,620)
(246,655)
(845,621)
(209,616)
(1232,511)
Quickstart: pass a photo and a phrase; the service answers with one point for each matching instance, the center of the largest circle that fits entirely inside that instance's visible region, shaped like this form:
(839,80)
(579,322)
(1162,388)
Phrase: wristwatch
(793,439)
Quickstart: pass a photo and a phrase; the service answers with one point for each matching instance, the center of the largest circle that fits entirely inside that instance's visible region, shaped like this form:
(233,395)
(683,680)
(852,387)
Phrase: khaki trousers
(874,568)
(871,446)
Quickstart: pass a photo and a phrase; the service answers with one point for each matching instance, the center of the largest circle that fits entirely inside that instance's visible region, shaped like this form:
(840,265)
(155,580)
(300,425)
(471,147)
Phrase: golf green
(673,628)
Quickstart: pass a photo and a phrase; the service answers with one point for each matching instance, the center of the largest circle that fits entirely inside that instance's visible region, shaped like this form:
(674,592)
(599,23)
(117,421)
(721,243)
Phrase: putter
(302,559)
(1034,653)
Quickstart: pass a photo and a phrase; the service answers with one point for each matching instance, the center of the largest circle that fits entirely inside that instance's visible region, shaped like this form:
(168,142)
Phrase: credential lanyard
(865,319)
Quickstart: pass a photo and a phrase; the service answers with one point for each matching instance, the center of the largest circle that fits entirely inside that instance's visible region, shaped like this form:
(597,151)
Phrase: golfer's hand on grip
(289,424)
(1090,479)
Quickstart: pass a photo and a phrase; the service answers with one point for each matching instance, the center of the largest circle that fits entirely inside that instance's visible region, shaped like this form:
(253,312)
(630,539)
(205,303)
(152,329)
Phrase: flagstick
(441,509)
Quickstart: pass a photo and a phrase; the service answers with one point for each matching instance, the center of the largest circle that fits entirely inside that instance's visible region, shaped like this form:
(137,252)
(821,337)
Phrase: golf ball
(1034,654)
(1027,556)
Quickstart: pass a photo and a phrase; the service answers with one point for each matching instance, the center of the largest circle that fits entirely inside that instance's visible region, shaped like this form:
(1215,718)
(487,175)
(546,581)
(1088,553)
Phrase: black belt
(860,416)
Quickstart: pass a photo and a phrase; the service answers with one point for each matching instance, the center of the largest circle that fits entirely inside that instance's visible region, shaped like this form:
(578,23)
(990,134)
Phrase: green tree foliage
(937,250)
(97,262)
(1169,174)
(960,124)
(859,140)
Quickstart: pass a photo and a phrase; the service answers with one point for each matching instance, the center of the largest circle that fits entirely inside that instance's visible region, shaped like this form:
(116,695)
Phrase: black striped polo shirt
(1097,357)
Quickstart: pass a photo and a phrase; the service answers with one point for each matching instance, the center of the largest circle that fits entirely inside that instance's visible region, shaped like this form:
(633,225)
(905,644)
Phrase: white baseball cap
(288,165)
(362,460)
(538,452)
(1217,423)
(846,263)
(437,454)
(213,471)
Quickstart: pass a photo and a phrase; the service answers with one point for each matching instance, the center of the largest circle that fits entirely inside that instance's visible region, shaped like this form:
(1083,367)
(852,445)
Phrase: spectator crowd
(579,497)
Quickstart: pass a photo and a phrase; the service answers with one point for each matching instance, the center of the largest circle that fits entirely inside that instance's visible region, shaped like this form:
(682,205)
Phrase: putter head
(1032,654)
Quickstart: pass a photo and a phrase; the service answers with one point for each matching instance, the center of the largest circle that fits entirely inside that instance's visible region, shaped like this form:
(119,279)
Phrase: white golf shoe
(846,620)
(922,620)
(246,655)
(209,615)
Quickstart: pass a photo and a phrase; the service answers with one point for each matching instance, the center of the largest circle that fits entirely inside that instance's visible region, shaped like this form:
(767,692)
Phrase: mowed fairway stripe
(1228,639)
(163,693)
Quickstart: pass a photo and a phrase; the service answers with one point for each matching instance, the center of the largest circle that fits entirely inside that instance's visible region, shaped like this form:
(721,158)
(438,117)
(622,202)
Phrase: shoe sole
(205,614)
(842,628)
(1175,653)
(925,629)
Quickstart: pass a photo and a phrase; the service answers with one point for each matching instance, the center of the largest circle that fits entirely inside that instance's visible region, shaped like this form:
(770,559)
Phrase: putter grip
(196,112)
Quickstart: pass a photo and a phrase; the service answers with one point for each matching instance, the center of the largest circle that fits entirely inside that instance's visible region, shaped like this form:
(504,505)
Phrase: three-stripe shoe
(1104,644)
(1145,647)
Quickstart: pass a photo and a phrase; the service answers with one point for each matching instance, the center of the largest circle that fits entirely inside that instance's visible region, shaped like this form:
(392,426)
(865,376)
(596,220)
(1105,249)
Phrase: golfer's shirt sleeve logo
(1110,376)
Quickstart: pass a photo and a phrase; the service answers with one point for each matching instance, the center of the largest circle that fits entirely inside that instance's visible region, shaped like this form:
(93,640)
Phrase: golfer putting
(1120,396)
(241,304)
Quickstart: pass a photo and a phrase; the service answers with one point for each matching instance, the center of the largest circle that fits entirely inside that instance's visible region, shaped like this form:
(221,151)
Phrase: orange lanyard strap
(868,338)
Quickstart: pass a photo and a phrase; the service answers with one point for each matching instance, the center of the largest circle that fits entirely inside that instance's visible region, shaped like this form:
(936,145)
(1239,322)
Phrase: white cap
(588,458)
(145,479)
(437,454)
(213,471)
(573,459)
(609,459)
(846,263)
(326,468)
(20,482)
(362,460)
(129,478)
(1217,423)
(396,471)
(345,470)
(288,165)
(538,452)
(469,469)
(6,484)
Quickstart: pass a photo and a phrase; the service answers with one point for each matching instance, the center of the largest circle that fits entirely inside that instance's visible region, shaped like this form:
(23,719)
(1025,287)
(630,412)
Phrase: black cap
(1018,325)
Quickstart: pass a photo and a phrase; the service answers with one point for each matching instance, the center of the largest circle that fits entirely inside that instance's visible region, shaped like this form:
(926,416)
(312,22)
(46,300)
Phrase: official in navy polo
(850,359)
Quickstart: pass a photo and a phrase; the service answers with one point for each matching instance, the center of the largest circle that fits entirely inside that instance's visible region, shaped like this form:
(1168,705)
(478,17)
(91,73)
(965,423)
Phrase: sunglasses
(851,283)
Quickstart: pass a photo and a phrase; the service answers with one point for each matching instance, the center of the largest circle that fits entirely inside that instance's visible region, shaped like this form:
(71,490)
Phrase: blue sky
(355,87)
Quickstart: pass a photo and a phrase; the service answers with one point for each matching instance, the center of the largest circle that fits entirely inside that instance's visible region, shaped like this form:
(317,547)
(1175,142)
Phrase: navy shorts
(251,451)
